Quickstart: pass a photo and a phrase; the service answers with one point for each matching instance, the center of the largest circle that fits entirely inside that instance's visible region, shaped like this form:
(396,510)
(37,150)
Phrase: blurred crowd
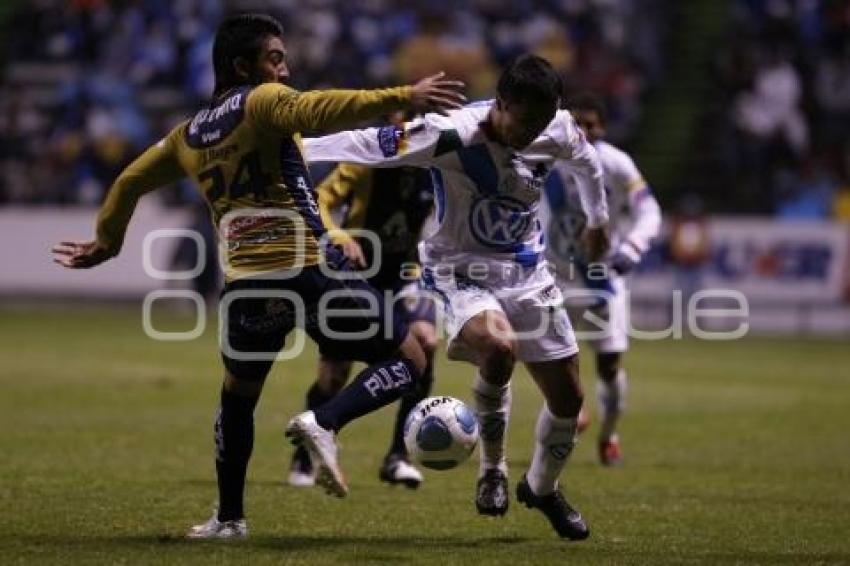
(88,83)
(782,128)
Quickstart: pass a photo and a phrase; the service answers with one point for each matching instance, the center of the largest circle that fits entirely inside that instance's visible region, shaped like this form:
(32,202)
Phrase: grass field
(736,452)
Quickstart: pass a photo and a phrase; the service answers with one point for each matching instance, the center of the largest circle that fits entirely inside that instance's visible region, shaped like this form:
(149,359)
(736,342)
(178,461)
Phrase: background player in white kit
(484,255)
(635,219)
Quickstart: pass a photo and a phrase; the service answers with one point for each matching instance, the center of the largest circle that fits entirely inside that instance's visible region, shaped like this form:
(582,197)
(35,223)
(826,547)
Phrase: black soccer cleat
(492,496)
(566,521)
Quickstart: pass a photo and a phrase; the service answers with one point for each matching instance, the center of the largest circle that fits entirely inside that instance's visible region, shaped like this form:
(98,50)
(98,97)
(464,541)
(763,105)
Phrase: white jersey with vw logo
(486,195)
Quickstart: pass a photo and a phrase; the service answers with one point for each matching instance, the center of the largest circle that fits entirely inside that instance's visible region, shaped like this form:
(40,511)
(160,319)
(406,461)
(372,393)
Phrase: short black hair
(240,36)
(587,101)
(530,79)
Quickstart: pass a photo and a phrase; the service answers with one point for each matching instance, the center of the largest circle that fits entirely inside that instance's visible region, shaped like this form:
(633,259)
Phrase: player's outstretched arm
(80,255)
(156,167)
(288,111)
(413,143)
(436,94)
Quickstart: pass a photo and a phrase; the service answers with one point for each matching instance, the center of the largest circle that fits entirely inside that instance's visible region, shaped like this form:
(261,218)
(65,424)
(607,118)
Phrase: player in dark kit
(391,205)
(243,152)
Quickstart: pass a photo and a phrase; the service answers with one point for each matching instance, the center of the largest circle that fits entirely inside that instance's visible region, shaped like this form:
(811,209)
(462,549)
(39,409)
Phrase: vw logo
(499,222)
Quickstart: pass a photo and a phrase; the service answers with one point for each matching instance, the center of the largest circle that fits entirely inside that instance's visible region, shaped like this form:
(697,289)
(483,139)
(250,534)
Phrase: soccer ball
(440,432)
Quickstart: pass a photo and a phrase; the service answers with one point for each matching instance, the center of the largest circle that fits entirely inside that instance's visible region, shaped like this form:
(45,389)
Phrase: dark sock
(234,440)
(408,401)
(374,387)
(315,399)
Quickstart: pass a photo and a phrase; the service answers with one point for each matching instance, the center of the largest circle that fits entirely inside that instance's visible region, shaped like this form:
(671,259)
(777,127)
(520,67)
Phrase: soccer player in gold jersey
(243,152)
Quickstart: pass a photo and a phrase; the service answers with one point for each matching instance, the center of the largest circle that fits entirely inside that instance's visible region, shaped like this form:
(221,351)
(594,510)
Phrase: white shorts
(530,300)
(604,326)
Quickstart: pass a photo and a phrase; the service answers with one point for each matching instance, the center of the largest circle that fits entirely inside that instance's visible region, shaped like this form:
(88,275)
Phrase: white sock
(612,400)
(493,403)
(554,439)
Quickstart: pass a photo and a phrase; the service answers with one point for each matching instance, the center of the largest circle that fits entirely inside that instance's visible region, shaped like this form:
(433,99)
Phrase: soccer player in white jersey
(635,221)
(484,256)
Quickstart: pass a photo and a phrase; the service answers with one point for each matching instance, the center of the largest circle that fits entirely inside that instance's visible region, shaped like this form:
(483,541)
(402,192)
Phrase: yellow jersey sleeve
(276,107)
(344,183)
(156,167)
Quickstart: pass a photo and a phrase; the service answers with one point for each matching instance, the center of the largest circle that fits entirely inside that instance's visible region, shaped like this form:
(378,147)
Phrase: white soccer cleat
(215,529)
(321,444)
(397,470)
(297,478)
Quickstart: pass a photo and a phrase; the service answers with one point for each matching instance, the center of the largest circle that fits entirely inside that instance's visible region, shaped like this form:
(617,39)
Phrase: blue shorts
(347,318)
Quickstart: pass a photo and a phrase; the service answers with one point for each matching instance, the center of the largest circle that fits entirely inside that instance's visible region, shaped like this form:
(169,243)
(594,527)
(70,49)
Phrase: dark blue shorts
(347,318)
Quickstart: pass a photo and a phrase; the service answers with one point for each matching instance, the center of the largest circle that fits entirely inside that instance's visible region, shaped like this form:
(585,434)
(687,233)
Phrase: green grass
(737,452)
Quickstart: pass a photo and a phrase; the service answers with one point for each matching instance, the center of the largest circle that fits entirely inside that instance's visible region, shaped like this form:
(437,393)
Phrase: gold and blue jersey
(392,204)
(243,153)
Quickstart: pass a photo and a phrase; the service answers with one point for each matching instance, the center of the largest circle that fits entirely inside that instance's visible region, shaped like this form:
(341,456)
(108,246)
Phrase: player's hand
(80,255)
(625,259)
(595,242)
(352,250)
(437,94)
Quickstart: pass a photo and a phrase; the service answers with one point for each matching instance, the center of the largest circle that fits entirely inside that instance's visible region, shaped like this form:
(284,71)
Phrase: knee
(566,399)
(333,375)
(607,366)
(429,345)
(568,406)
(426,337)
(498,356)
(334,382)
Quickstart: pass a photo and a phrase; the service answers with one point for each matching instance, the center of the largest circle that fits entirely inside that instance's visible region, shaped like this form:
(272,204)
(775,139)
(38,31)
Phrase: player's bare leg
(611,394)
(490,339)
(396,468)
(554,440)
(331,378)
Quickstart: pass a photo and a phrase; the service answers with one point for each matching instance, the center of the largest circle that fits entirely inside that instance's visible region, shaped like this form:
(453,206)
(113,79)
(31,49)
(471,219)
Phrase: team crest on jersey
(499,222)
(391,140)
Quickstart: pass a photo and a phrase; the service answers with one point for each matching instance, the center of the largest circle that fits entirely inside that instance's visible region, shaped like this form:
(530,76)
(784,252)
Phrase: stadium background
(731,108)
(738,113)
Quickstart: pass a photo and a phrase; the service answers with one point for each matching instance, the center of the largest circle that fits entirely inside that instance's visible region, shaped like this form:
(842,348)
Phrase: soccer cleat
(301,472)
(566,521)
(492,497)
(321,445)
(215,529)
(610,453)
(397,470)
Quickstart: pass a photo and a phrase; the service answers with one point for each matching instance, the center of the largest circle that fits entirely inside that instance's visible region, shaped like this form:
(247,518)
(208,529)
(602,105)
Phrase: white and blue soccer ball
(440,432)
